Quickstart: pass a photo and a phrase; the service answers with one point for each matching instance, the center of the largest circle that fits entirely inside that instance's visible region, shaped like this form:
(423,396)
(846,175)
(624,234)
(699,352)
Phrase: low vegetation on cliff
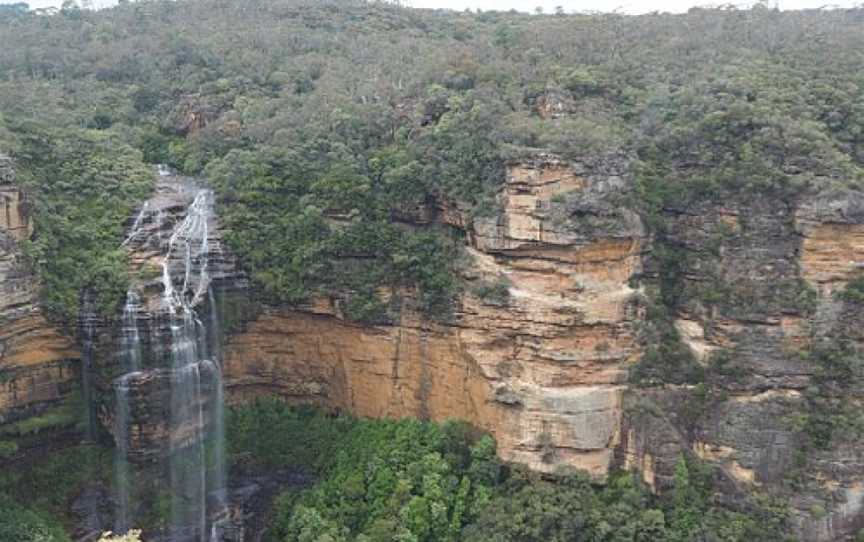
(83,186)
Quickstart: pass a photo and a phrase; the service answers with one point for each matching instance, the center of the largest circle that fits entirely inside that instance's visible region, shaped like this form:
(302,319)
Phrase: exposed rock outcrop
(554,103)
(832,252)
(13,213)
(543,368)
(760,284)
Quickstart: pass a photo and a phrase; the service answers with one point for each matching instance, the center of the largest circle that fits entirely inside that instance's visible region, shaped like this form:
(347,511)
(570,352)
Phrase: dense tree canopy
(383,481)
(325,126)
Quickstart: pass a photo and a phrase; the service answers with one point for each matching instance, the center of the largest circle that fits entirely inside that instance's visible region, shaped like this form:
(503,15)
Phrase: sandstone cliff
(778,267)
(542,364)
(539,350)
(38,361)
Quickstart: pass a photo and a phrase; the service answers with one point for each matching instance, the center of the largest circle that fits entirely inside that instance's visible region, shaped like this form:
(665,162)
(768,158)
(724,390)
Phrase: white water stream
(196,456)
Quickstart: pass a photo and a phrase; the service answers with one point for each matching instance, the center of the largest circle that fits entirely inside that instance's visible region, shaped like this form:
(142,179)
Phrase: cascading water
(131,338)
(122,478)
(88,332)
(136,226)
(191,366)
(130,362)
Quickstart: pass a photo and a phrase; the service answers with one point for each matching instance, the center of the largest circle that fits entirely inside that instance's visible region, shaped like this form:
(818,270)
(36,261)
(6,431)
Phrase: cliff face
(544,366)
(38,362)
(539,349)
(779,267)
(541,365)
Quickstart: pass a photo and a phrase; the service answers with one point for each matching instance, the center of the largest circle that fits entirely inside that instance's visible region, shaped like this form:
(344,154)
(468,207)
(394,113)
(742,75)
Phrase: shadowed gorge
(280,271)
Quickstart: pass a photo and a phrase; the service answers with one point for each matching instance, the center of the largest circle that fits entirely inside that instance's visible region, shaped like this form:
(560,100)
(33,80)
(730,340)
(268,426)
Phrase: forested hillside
(299,111)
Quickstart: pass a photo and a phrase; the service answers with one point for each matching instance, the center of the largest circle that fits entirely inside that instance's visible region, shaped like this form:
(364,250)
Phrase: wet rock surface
(93,511)
(251,497)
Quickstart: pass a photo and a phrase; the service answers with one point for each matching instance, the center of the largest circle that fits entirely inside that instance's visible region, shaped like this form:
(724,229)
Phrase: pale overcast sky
(625,6)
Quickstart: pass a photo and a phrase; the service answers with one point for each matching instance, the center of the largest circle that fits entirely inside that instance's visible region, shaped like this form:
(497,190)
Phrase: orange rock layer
(38,364)
(832,254)
(543,372)
(36,358)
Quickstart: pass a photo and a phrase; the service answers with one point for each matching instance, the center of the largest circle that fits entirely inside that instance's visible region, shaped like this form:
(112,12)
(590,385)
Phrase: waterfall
(130,362)
(191,368)
(122,478)
(197,459)
(220,479)
(130,355)
(136,226)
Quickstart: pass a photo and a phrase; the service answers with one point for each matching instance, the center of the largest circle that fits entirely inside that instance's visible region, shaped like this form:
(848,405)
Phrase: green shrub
(84,185)
(20,524)
(496,293)
(65,415)
(581,82)
(666,358)
(8,448)
(854,291)
(270,433)
(48,483)
(411,476)
(829,415)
